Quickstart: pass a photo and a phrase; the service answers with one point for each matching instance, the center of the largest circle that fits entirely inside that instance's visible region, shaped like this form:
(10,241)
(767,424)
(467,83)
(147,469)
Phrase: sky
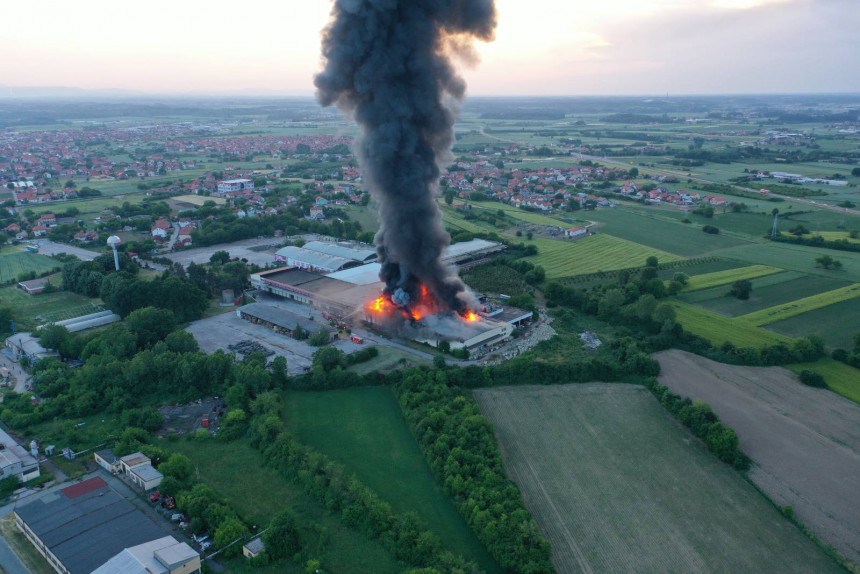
(542,47)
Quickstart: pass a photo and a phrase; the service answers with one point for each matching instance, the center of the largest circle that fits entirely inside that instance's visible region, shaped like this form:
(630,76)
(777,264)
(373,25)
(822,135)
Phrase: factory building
(15,460)
(278,320)
(325,256)
(89,527)
(473,250)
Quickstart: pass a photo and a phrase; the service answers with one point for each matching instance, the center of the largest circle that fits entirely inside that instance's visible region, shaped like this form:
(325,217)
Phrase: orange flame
(471,316)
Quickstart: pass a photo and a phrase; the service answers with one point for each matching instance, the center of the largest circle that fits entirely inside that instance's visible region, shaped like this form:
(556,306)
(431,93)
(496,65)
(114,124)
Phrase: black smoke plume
(387,63)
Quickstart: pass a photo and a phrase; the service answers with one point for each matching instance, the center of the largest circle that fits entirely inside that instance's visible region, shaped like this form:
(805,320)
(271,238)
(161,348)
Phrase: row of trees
(704,423)
(458,443)
(358,506)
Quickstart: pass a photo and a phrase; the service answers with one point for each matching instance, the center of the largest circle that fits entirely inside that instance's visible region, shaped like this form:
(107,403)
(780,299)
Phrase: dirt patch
(805,441)
(186,419)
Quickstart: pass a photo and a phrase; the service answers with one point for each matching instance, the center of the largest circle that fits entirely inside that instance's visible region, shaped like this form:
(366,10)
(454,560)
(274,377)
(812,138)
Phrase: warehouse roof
(346,251)
(13,453)
(468,248)
(280,317)
(314,259)
(87,530)
(363,275)
(154,557)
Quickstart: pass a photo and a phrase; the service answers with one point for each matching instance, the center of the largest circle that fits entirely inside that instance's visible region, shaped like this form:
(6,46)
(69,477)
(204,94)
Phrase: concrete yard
(241,249)
(223,330)
(48,247)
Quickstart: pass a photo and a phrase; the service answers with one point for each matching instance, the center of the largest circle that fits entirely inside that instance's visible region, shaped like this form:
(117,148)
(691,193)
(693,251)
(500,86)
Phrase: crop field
(563,219)
(836,324)
(796,258)
(694,268)
(363,428)
(617,485)
(838,236)
(13,263)
(841,378)
(767,291)
(717,278)
(599,252)
(718,328)
(258,492)
(645,228)
(33,310)
(805,441)
(800,306)
(88,208)
(454,219)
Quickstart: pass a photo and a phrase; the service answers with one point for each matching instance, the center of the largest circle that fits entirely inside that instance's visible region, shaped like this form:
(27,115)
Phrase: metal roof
(281,318)
(464,248)
(315,259)
(363,275)
(341,250)
(87,531)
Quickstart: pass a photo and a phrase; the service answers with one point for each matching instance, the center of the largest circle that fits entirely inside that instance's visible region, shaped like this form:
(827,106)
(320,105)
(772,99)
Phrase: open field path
(805,441)
(617,485)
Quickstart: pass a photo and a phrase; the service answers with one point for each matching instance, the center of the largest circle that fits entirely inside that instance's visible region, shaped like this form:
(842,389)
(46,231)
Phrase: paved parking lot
(48,247)
(228,329)
(241,249)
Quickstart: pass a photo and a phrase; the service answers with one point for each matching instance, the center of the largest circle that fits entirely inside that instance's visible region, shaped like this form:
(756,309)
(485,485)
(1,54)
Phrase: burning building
(388,65)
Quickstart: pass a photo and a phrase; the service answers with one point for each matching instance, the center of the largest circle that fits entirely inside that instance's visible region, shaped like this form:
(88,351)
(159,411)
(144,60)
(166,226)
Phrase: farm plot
(599,252)
(836,324)
(805,442)
(800,306)
(718,328)
(617,485)
(645,228)
(708,280)
(841,378)
(12,264)
(363,429)
(767,291)
(796,258)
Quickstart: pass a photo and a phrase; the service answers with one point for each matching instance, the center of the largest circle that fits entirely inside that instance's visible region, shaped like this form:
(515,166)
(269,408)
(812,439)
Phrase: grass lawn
(841,378)
(800,306)
(727,276)
(15,262)
(363,428)
(88,208)
(601,252)
(836,324)
(388,359)
(33,310)
(237,471)
(618,485)
(718,328)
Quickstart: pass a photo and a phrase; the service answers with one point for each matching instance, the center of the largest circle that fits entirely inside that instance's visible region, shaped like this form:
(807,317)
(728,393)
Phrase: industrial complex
(340,280)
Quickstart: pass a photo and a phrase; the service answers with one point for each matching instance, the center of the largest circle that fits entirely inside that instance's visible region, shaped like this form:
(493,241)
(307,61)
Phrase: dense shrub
(812,379)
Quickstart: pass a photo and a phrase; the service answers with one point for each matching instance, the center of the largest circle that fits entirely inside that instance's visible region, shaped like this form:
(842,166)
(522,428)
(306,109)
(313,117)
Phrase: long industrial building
(325,256)
(89,527)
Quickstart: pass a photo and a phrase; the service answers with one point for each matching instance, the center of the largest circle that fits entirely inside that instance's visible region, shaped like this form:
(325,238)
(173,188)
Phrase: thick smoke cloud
(387,63)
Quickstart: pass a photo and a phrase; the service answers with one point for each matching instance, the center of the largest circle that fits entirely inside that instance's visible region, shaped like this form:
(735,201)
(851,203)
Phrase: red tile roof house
(48,219)
(12,228)
(161,228)
(40,230)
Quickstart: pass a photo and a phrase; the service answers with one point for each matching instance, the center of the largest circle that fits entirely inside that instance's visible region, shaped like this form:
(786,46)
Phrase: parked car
(169,502)
(205,545)
(155,496)
(176,517)
(199,538)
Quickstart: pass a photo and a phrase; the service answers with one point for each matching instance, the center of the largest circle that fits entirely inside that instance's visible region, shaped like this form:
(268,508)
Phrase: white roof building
(15,460)
(162,556)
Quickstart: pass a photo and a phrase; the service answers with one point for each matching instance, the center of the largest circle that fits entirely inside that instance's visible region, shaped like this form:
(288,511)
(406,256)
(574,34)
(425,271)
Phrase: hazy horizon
(544,47)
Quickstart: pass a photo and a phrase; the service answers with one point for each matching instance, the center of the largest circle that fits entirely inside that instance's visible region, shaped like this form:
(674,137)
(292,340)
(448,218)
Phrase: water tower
(113,241)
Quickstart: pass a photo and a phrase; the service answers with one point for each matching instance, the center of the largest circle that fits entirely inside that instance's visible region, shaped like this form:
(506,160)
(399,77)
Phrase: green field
(718,328)
(767,291)
(836,324)
(601,252)
(33,310)
(617,485)
(653,229)
(797,258)
(13,263)
(363,428)
(717,278)
(800,306)
(841,378)
(238,472)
